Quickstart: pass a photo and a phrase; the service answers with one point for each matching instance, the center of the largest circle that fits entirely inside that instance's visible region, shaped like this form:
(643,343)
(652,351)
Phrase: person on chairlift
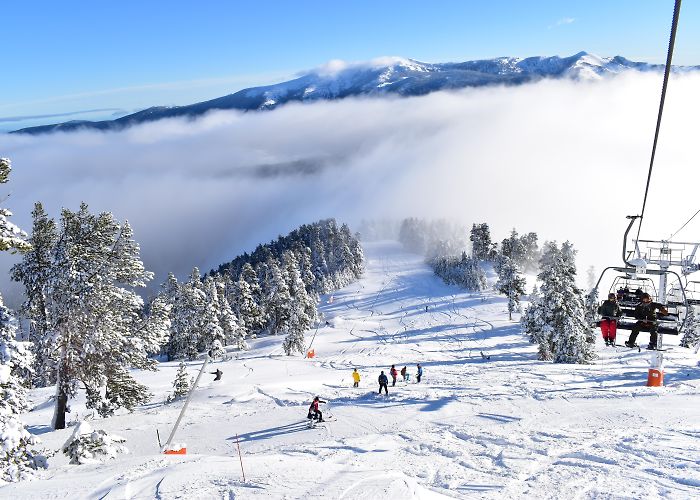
(645,312)
(610,312)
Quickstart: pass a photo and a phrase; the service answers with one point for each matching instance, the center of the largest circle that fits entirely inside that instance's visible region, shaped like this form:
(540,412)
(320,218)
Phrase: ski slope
(504,427)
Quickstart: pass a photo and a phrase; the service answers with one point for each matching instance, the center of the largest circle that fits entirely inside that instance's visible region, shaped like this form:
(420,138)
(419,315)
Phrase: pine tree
(17,459)
(511,284)
(191,318)
(232,332)
(181,384)
(556,320)
(482,248)
(34,272)
(211,327)
(12,238)
(176,347)
(99,326)
(277,299)
(691,337)
(303,307)
(591,307)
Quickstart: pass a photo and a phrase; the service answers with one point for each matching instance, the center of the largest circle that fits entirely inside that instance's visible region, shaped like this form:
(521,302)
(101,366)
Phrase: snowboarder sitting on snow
(356,378)
(404,374)
(645,312)
(610,311)
(383,383)
(419,374)
(393,374)
(314,412)
(218,374)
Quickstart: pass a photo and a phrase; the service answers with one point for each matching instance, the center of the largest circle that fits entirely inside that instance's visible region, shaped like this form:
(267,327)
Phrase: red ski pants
(609,328)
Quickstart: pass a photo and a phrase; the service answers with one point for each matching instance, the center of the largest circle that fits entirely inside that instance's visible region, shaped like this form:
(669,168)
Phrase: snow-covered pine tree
(191,315)
(510,283)
(277,298)
(181,384)
(211,330)
(99,327)
(176,346)
(482,248)
(591,307)
(12,238)
(302,313)
(233,333)
(513,249)
(248,312)
(34,272)
(556,321)
(691,337)
(17,459)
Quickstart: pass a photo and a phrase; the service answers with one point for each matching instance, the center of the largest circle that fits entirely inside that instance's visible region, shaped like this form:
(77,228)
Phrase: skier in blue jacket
(419,374)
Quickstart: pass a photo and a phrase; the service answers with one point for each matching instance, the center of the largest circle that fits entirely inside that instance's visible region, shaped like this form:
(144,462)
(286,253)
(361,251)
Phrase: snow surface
(504,427)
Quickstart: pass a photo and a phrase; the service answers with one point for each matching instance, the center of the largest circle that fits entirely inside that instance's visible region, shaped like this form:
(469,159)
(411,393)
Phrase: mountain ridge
(380,77)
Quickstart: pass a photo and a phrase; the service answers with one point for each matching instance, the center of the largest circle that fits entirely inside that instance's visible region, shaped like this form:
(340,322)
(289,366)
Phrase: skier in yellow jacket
(356,378)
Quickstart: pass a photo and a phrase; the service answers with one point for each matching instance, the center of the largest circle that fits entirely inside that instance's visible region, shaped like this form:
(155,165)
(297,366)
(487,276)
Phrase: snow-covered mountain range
(382,77)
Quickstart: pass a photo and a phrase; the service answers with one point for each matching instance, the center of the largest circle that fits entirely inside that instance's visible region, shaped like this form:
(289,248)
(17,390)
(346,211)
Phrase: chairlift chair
(630,280)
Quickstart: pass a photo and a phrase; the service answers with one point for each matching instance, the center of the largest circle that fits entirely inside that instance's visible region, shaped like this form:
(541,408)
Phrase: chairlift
(636,278)
(628,286)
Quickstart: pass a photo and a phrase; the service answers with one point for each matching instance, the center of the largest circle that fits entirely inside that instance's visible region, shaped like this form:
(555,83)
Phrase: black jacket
(647,312)
(383,380)
(609,309)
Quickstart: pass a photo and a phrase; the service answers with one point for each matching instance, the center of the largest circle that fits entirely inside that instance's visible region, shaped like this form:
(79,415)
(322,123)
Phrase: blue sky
(75,56)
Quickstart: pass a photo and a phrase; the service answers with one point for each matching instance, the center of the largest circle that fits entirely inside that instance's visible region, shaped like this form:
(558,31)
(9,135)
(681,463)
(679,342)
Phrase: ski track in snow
(487,421)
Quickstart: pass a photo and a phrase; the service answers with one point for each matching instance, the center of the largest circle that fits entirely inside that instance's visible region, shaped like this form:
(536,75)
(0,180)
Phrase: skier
(393,374)
(419,374)
(383,382)
(218,374)
(314,412)
(645,312)
(404,374)
(356,378)
(610,311)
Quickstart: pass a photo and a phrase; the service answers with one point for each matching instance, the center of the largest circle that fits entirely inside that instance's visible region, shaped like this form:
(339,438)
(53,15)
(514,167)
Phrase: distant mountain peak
(383,76)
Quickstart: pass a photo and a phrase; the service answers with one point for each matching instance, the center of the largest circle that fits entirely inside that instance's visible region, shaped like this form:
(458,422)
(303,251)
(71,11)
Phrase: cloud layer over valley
(566,159)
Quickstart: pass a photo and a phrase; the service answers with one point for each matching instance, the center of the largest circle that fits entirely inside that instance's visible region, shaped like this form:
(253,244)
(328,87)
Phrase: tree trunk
(60,412)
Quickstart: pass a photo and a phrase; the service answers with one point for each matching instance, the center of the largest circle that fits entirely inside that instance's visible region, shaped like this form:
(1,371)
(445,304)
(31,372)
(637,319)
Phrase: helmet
(316,398)
(611,295)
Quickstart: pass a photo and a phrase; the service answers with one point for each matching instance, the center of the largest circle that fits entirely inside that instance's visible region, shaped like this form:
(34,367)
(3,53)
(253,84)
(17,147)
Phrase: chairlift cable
(667,71)
(696,213)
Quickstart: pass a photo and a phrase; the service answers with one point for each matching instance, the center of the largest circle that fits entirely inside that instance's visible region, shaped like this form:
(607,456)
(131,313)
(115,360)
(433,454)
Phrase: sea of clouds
(566,159)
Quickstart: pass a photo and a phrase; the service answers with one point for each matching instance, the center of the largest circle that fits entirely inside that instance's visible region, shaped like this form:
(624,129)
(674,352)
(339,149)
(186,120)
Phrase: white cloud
(565,20)
(566,159)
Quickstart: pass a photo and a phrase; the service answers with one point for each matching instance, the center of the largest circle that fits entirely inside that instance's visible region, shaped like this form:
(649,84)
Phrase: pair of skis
(312,423)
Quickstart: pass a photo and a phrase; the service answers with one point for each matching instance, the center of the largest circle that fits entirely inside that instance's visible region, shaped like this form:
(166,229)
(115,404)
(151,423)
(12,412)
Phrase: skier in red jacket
(393,374)
(314,412)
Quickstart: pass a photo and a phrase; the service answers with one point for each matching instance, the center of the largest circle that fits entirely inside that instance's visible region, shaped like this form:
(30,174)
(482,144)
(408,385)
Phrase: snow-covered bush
(86,446)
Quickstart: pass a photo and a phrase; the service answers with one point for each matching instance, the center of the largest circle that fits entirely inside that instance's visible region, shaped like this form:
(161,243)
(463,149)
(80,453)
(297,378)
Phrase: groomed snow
(504,427)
